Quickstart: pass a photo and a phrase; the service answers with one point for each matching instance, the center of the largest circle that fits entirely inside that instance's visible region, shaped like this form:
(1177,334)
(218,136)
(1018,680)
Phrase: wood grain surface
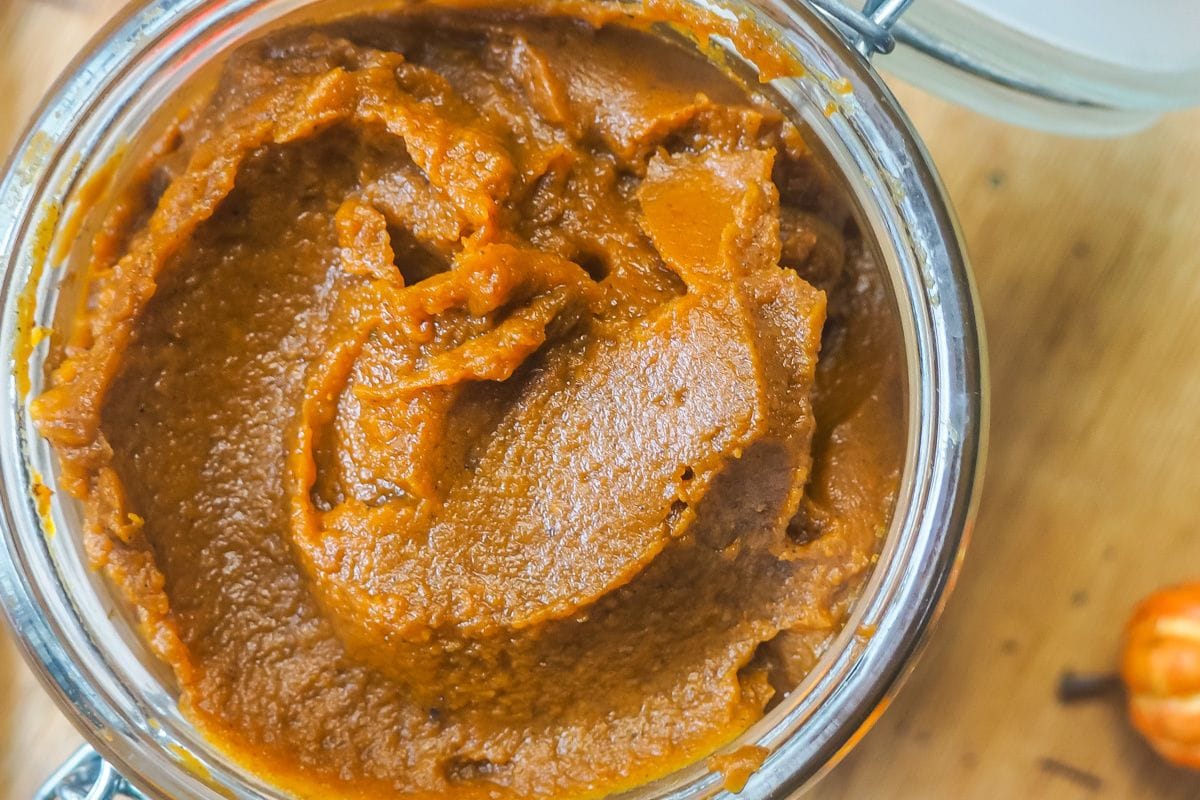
(1087,255)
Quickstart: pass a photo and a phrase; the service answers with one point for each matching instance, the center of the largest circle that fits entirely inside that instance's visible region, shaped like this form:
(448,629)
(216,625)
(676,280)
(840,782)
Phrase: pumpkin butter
(480,404)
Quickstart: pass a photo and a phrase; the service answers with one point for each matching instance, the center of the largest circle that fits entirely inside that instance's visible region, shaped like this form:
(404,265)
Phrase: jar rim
(94,672)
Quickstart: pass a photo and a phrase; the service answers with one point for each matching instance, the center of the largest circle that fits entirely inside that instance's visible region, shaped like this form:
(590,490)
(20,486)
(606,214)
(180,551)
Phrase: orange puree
(481,404)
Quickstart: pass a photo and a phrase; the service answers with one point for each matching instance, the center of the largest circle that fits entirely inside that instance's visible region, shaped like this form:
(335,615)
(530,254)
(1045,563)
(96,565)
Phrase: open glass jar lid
(1072,66)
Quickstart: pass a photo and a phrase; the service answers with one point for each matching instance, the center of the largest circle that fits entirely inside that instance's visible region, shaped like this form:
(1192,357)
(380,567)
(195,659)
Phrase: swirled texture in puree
(449,406)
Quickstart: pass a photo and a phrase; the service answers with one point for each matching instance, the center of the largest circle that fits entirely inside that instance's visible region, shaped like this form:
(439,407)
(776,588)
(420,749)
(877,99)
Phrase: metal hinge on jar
(87,776)
(868,31)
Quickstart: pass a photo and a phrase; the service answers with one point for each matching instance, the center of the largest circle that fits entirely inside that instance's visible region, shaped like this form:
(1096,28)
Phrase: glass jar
(76,635)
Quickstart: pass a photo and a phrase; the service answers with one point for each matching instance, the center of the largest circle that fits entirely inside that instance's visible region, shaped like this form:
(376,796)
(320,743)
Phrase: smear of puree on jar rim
(481,403)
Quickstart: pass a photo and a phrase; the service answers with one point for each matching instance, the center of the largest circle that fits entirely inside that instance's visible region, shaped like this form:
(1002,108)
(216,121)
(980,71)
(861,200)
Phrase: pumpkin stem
(1074,687)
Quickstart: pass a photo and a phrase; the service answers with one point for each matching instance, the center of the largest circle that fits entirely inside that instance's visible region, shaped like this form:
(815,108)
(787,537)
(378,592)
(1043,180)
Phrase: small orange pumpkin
(1161,669)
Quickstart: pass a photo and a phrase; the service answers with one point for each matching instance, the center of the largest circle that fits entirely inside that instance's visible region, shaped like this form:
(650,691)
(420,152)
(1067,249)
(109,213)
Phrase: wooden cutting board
(1087,255)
